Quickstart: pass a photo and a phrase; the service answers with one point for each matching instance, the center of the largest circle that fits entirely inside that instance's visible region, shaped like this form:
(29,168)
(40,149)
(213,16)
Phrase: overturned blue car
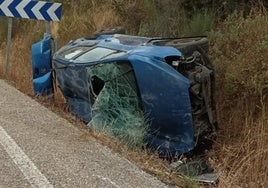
(158,90)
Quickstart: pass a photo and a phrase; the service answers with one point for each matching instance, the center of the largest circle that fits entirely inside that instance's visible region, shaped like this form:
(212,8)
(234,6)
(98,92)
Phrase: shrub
(239,52)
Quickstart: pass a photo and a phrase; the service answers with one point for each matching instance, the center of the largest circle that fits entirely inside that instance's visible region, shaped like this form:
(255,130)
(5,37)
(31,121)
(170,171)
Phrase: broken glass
(115,102)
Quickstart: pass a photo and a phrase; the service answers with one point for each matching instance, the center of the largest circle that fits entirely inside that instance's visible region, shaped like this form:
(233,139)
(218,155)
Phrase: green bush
(201,23)
(239,52)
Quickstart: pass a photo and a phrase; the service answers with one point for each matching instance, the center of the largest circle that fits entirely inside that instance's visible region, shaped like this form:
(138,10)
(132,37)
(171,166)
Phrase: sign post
(48,27)
(9,31)
(40,10)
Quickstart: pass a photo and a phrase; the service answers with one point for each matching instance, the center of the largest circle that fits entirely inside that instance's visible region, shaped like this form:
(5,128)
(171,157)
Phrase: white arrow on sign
(51,11)
(36,10)
(20,8)
(5,9)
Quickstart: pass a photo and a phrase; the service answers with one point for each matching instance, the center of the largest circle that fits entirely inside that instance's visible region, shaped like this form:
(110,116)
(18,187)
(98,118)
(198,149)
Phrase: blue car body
(163,91)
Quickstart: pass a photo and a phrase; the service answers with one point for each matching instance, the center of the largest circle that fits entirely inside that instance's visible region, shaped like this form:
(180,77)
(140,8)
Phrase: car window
(114,55)
(69,54)
(98,53)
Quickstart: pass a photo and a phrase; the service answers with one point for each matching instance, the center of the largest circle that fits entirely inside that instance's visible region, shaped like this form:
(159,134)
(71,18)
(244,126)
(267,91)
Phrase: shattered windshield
(115,103)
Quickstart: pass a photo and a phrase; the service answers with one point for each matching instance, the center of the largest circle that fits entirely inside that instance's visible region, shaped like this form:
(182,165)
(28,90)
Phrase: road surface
(40,149)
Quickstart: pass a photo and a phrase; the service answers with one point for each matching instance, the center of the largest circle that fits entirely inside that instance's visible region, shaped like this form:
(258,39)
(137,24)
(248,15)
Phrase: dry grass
(240,154)
(239,52)
(20,73)
(104,17)
(240,57)
(85,18)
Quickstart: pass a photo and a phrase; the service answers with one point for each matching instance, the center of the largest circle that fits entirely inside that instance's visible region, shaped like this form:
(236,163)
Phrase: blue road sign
(31,9)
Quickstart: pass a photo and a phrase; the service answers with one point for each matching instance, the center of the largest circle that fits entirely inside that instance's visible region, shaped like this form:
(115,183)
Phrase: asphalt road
(40,149)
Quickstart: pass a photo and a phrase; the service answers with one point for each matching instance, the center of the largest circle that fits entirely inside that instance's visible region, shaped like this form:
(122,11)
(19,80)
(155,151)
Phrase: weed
(201,23)
(239,53)
(3,29)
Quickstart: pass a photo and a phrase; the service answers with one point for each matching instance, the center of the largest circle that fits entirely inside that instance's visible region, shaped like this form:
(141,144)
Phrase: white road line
(106,179)
(24,163)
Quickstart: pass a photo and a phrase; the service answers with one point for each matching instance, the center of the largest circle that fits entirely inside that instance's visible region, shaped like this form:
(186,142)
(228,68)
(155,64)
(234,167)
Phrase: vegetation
(239,52)
(238,31)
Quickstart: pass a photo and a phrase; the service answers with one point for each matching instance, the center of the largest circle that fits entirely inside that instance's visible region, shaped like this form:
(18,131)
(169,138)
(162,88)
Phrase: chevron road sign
(30,9)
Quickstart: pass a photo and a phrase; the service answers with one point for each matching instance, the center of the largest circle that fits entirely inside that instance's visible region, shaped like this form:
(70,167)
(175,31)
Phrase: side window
(99,53)
(95,54)
(86,54)
(71,53)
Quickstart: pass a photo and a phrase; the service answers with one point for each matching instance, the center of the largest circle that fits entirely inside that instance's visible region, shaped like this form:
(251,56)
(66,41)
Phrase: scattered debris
(196,170)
